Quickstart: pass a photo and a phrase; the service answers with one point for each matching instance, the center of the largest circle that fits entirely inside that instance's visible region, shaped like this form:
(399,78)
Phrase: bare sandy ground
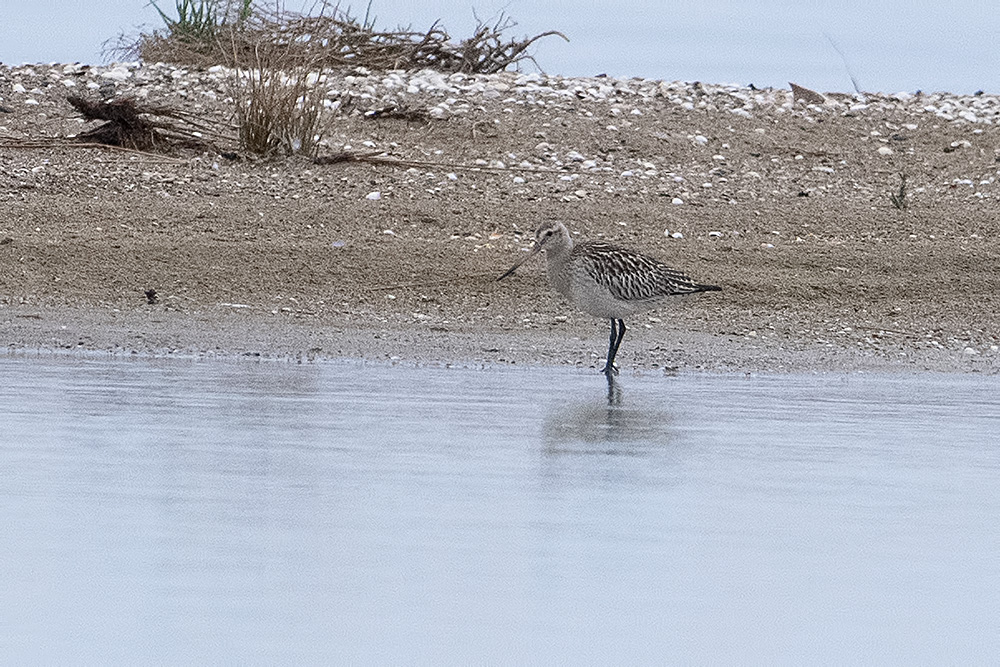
(785,205)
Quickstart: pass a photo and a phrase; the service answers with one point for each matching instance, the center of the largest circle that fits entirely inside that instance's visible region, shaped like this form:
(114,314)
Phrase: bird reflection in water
(611,427)
(614,391)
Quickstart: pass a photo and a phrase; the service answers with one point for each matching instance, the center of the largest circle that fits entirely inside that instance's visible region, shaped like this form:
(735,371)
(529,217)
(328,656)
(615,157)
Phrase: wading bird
(606,281)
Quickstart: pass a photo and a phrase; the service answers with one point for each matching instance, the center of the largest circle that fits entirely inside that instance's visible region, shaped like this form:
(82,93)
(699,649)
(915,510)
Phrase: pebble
(121,73)
(626,97)
(625,100)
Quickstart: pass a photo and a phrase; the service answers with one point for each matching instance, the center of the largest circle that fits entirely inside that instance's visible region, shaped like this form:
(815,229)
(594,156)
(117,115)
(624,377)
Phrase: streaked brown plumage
(607,281)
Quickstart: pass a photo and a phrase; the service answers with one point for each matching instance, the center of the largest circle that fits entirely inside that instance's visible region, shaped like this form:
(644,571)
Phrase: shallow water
(178,511)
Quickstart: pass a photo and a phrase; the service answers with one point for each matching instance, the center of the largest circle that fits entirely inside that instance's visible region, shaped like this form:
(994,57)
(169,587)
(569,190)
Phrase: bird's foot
(609,370)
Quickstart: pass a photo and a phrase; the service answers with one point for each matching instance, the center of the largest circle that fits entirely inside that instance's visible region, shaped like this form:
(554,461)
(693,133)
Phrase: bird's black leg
(608,367)
(617,333)
(621,334)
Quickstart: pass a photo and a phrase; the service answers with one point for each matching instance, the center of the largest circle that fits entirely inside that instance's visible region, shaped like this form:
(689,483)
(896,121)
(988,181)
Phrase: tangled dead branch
(329,37)
(129,124)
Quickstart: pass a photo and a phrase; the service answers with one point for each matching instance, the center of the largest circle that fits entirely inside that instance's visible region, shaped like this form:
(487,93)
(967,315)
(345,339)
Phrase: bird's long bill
(535,249)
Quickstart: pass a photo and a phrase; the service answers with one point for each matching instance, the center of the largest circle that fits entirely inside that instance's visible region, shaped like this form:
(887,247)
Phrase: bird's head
(550,235)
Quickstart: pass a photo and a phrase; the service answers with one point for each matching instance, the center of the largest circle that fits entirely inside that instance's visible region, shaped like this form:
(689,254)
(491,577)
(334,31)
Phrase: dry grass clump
(279,103)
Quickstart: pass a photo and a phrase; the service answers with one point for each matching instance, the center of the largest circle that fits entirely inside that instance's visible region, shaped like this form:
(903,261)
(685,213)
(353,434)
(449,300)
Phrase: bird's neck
(561,247)
(557,260)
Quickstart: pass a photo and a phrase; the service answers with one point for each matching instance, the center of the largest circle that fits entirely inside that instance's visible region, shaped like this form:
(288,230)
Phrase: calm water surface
(173,511)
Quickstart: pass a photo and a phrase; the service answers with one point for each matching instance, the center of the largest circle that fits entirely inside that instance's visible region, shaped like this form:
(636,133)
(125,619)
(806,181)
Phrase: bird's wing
(630,276)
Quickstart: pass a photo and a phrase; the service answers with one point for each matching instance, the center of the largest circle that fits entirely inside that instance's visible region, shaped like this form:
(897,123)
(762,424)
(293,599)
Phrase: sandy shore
(786,205)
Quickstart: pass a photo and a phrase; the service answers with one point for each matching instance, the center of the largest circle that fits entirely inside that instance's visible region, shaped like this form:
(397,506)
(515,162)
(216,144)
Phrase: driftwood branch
(131,125)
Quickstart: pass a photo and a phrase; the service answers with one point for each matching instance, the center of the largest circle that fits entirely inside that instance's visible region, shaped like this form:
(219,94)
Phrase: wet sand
(785,205)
